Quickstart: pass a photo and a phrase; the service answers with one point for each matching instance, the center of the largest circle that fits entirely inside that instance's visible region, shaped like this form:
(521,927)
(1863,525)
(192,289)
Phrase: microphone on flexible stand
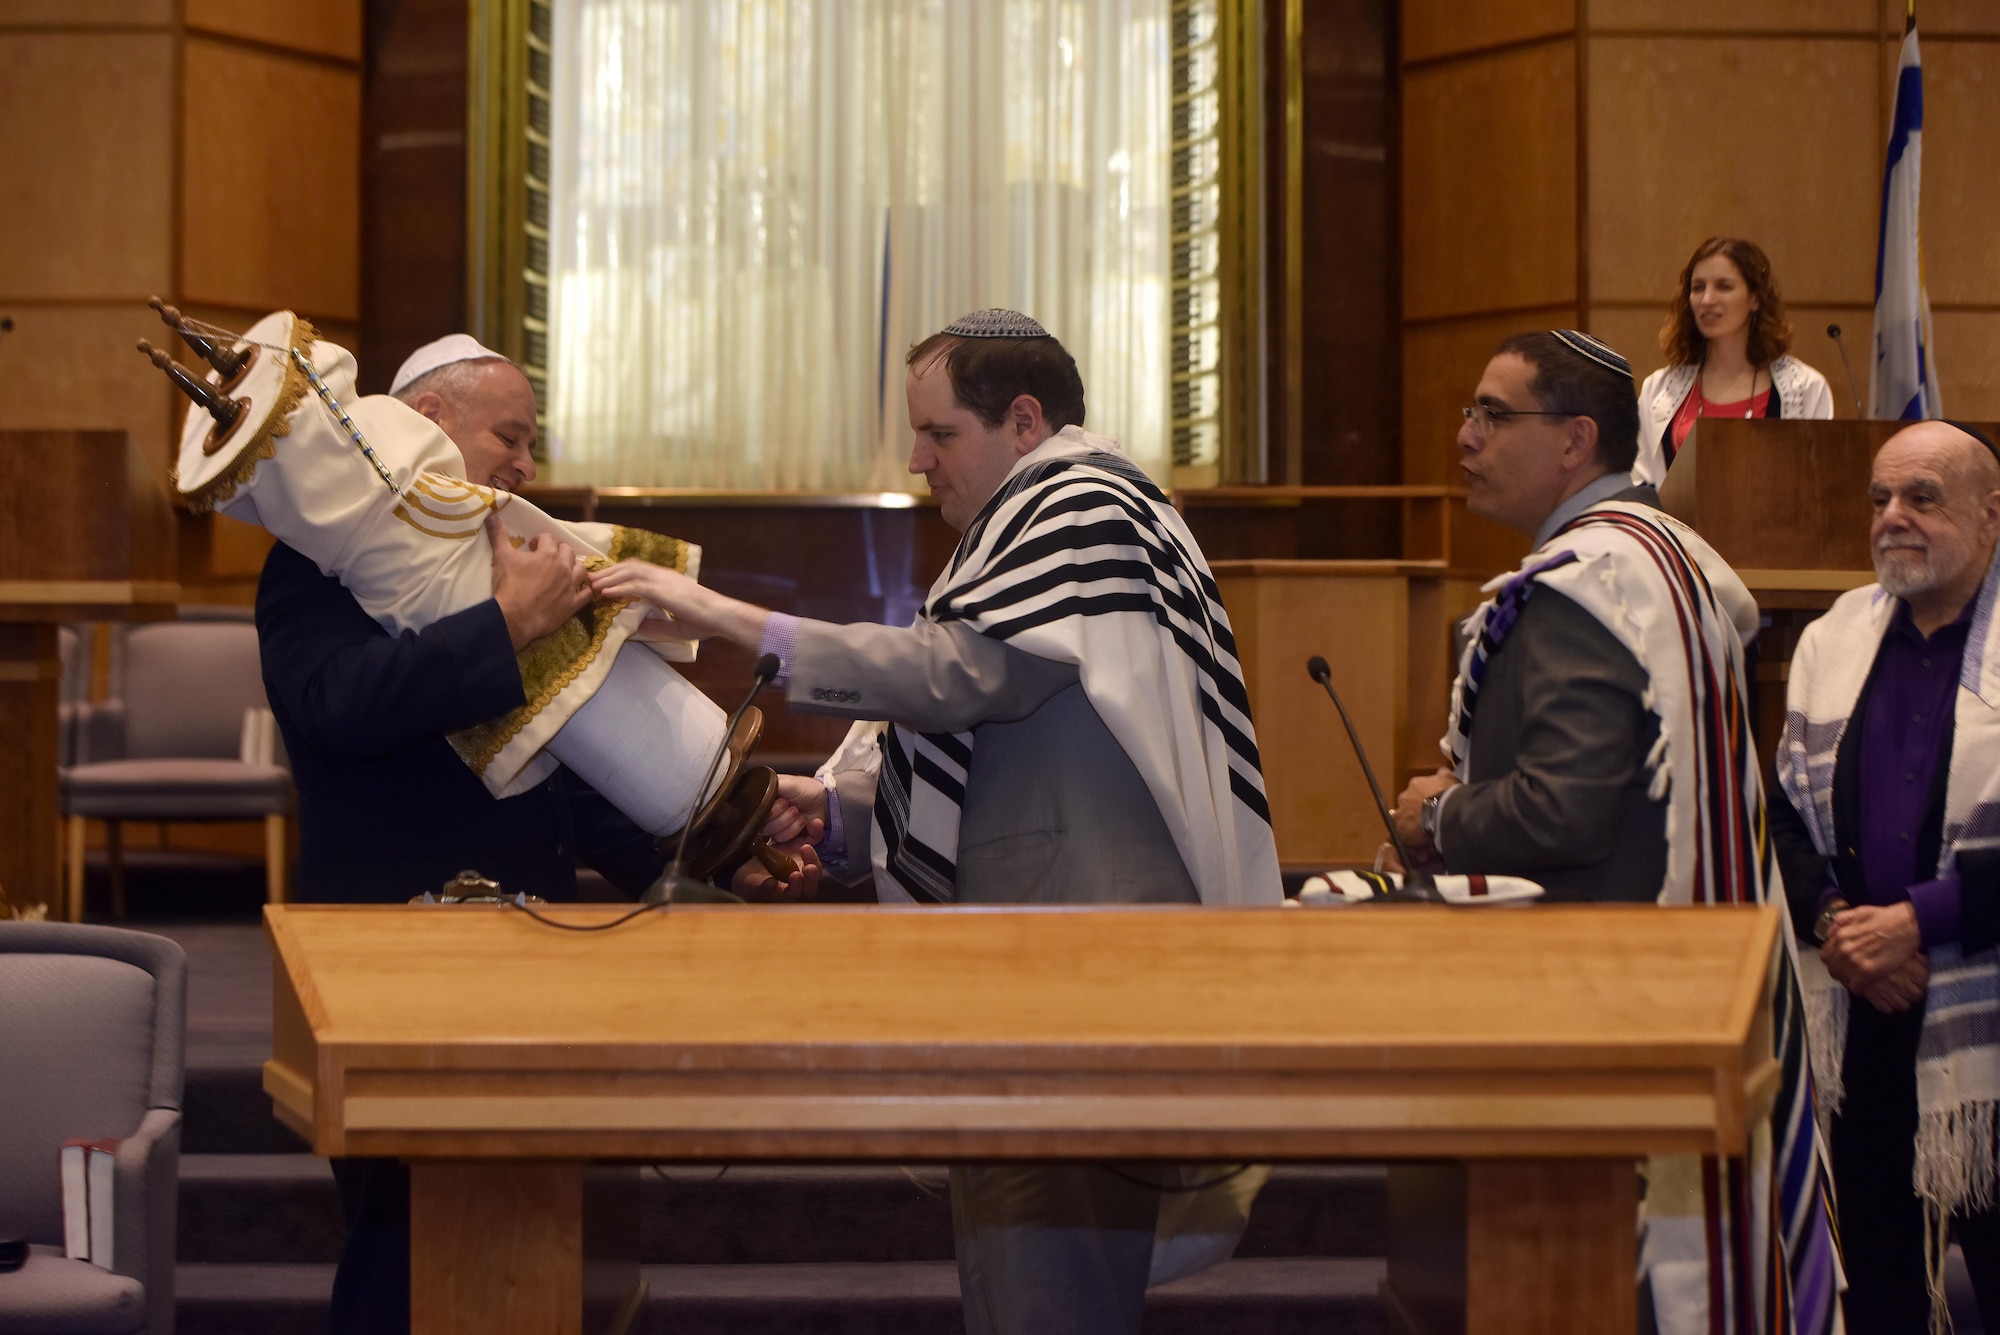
(1418,885)
(673,887)
(1833,332)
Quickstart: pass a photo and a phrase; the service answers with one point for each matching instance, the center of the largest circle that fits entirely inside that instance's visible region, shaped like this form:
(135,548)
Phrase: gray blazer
(1557,786)
(1055,812)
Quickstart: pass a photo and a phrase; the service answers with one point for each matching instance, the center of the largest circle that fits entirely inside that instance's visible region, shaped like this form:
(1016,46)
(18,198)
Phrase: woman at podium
(1726,339)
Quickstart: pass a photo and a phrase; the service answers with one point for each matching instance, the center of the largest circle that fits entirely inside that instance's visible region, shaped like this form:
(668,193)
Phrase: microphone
(1418,885)
(6,327)
(1833,332)
(673,887)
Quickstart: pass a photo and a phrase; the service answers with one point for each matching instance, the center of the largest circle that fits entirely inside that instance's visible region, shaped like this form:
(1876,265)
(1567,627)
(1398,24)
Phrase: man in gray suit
(1068,725)
(1558,786)
(1600,744)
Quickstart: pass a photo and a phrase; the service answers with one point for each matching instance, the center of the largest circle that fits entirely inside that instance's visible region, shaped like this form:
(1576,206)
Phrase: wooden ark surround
(205,151)
(1562,158)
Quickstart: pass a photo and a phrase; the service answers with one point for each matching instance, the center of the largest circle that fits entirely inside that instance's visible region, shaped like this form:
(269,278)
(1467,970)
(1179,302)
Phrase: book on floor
(89,1169)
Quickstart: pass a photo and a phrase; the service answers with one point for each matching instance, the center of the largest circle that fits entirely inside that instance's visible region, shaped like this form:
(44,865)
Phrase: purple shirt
(1905,735)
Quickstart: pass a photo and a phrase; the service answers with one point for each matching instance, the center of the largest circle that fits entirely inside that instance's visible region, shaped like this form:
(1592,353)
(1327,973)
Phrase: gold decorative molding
(507,182)
(1217,410)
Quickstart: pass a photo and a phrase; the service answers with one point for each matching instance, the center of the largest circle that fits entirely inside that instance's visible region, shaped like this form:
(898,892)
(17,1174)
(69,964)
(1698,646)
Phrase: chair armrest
(146,1189)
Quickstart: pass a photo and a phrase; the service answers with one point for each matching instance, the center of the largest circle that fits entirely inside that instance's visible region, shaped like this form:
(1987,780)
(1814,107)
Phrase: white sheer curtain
(760,204)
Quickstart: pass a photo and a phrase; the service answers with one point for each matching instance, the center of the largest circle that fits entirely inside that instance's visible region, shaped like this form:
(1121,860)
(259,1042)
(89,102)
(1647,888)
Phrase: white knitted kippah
(442,352)
(1585,346)
(996,322)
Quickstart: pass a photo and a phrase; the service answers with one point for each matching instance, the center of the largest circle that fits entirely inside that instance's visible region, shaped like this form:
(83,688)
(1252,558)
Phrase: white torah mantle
(412,548)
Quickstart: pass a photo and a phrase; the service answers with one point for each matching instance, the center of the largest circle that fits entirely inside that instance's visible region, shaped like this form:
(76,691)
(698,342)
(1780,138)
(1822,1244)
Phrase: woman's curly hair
(1770,331)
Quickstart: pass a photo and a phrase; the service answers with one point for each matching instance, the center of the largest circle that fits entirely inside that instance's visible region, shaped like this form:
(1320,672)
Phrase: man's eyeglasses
(1484,419)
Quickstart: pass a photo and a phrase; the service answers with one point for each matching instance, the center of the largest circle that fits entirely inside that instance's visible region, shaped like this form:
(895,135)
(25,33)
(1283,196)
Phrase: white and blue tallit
(1743,1246)
(1958,1055)
(1080,558)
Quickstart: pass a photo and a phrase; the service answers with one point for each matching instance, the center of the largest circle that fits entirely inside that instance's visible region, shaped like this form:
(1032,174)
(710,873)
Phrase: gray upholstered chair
(93,1023)
(193,742)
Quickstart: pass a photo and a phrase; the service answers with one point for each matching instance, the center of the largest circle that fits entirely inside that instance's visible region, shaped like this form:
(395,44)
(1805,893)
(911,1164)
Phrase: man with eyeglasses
(1600,744)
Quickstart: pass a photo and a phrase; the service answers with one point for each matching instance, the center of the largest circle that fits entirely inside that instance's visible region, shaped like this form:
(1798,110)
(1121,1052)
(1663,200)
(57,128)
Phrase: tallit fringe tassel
(1955,1175)
(1826,1045)
(1937,1248)
(1955,1163)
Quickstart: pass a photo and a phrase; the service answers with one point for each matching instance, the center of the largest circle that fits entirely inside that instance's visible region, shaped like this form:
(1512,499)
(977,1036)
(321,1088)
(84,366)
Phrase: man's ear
(1024,414)
(1581,445)
(431,404)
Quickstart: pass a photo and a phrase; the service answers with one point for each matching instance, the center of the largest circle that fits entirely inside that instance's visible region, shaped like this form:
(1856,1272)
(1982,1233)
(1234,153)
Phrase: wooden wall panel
(1685,139)
(1433,28)
(87,13)
(1961,204)
(75,367)
(1938,18)
(1442,364)
(1490,183)
(271,208)
(413,231)
(89,128)
(1686,16)
(323,27)
(1968,363)
(1634,331)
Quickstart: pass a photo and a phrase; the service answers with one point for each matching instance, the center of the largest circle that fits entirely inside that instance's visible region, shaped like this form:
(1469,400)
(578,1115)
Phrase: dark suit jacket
(1557,786)
(387,810)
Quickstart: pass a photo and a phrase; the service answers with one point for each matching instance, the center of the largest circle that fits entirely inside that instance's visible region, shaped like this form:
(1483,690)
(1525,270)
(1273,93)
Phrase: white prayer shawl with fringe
(1742,1246)
(1079,558)
(1958,1054)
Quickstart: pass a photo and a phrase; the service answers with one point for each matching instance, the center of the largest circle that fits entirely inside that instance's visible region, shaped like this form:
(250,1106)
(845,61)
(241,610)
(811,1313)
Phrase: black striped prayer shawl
(1714,1264)
(1080,558)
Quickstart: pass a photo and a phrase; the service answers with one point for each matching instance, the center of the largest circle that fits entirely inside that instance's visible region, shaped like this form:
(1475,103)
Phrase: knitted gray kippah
(995,322)
(1584,345)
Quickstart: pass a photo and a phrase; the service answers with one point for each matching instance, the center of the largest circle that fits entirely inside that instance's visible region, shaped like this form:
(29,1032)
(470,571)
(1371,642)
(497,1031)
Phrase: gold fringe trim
(550,664)
(645,545)
(264,443)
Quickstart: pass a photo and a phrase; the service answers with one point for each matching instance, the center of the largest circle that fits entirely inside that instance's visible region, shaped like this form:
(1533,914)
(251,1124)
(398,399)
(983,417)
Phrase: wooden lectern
(1549,1048)
(86,534)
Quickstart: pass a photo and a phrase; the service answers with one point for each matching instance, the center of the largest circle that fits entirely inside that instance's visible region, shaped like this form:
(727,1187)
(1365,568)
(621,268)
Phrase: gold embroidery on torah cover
(555,661)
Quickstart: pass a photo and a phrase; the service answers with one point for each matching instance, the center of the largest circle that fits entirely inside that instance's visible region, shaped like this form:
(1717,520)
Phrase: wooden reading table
(1548,1048)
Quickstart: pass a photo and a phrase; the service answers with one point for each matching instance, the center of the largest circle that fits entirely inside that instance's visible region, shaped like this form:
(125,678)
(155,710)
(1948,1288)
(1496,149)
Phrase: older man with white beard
(1888,832)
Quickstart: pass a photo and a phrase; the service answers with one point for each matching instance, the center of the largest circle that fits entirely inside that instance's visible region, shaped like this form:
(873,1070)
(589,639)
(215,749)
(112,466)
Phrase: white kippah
(1585,346)
(996,322)
(443,352)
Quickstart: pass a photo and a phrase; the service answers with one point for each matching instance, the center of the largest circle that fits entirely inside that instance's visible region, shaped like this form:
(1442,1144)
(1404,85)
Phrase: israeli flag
(1903,381)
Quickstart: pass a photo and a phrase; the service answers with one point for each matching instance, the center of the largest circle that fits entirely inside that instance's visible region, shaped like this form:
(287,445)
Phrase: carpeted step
(226,1111)
(270,1208)
(256,1209)
(1273,1297)
(1270,1297)
(251,1299)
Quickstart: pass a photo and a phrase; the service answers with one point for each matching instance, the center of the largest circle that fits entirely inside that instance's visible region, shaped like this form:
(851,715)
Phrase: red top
(1697,404)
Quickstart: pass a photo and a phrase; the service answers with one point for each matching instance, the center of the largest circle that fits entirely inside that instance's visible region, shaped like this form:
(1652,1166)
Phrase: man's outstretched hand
(701,610)
(539,585)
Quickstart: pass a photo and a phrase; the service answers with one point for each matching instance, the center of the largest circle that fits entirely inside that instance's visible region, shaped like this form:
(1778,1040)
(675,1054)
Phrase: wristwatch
(1823,925)
(1427,819)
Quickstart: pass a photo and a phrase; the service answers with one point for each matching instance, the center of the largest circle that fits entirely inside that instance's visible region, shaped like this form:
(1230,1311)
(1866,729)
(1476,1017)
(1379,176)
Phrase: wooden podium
(86,534)
(1549,1048)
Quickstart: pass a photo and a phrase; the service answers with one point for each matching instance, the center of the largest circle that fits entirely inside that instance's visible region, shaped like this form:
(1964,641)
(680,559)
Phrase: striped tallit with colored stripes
(1739,1246)
(1079,558)
(1958,1055)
